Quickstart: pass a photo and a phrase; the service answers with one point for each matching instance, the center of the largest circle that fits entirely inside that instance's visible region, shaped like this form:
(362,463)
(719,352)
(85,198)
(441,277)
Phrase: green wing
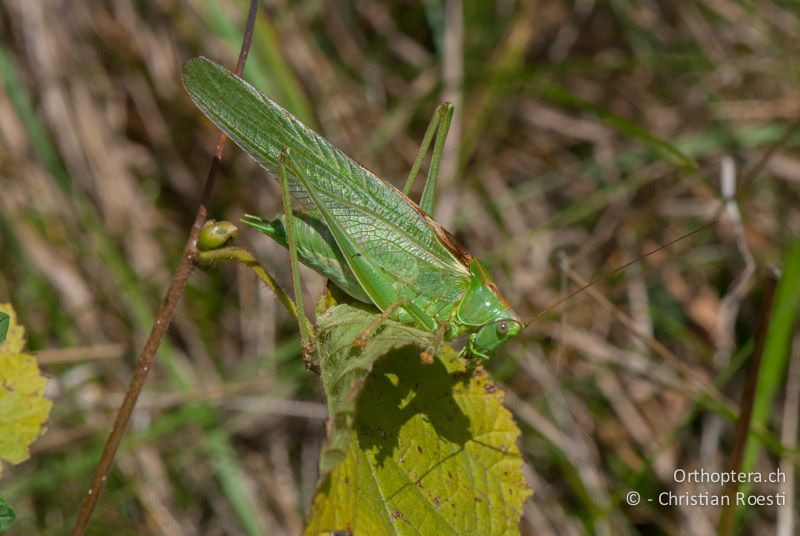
(316,248)
(384,224)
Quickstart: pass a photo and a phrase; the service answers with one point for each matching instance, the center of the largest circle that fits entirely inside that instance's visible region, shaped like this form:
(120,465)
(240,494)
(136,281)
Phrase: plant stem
(727,518)
(165,314)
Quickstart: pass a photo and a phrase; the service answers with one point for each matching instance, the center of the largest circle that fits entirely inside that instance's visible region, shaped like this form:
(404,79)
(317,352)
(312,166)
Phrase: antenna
(614,271)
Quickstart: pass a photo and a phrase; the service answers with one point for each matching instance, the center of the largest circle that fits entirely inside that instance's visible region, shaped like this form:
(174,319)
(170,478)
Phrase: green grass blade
(231,479)
(776,349)
(37,135)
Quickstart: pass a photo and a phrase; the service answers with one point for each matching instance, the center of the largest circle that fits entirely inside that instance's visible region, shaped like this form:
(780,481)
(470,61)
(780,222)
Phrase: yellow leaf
(15,335)
(430,450)
(23,407)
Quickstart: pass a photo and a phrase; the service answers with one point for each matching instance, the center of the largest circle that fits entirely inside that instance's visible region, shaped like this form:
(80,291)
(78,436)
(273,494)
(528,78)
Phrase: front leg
(361,340)
(427,355)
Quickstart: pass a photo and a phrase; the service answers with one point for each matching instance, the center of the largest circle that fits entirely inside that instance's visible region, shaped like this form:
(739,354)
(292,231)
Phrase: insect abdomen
(315,248)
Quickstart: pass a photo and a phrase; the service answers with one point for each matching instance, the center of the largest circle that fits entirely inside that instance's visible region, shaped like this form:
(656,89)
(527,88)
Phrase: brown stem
(165,314)
(727,519)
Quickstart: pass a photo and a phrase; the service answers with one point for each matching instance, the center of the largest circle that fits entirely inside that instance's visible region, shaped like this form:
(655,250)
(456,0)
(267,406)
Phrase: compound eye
(502,328)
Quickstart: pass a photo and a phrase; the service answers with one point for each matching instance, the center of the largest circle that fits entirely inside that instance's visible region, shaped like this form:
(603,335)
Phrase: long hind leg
(306,335)
(440,125)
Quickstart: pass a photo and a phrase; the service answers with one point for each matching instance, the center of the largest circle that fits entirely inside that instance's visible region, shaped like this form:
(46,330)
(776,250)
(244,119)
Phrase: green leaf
(13,339)
(7,515)
(424,449)
(23,407)
(4,320)
(344,367)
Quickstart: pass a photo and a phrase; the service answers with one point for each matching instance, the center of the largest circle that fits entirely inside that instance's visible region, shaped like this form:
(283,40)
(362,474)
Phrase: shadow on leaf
(401,387)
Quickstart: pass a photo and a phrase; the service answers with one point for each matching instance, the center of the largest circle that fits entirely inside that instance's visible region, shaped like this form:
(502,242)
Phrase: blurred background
(586,134)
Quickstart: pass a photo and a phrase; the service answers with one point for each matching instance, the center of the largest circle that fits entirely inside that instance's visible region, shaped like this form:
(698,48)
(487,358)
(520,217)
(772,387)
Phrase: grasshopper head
(486,312)
(491,336)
